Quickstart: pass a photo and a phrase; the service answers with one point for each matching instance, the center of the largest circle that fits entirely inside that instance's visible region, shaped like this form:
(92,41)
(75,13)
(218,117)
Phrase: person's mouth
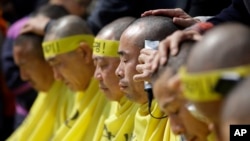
(103,88)
(122,86)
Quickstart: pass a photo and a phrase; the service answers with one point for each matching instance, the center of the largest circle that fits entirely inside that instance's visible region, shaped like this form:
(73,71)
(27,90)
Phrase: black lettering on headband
(98,45)
(54,47)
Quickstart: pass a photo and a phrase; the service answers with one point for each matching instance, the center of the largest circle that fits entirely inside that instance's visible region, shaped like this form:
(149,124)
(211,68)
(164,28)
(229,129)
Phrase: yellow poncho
(119,126)
(87,117)
(148,128)
(39,124)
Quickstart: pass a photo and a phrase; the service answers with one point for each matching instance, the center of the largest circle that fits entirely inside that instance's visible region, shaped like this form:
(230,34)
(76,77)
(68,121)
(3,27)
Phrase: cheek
(130,70)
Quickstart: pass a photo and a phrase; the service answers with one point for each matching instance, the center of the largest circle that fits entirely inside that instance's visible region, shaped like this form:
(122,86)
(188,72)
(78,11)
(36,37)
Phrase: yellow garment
(147,128)
(211,137)
(87,117)
(39,124)
(119,126)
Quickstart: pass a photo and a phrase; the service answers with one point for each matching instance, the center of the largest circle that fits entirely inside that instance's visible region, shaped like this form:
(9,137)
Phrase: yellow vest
(119,126)
(87,117)
(148,128)
(39,124)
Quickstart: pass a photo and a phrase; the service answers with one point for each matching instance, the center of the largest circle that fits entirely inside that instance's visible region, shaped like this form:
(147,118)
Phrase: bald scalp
(68,26)
(152,28)
(34,40)
(222,47)
(117,27)
(236,107)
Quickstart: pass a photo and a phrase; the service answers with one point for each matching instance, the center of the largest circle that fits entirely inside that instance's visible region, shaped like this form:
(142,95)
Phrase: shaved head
(237,105)
(35,41)
(224,46)
(68,26)
(150,28)
(116,27)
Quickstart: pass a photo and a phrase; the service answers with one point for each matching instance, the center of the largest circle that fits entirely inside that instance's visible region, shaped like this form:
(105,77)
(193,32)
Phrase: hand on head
(172,43)
(35,25)
(145,59)
(179,16)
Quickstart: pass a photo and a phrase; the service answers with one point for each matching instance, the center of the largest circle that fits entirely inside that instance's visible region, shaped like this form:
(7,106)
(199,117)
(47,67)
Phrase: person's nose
(57,74)
(119,71)
(97,74)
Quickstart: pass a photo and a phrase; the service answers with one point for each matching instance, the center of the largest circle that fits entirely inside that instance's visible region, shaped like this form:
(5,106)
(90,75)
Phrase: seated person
(169,96)
(131,42)
(119,126)
(67,47)
(24,94)
(211,73)
(39,124)
(235,109)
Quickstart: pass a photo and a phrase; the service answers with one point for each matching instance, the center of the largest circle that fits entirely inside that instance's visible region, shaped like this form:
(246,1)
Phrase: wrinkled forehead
(59,58)
(106,59)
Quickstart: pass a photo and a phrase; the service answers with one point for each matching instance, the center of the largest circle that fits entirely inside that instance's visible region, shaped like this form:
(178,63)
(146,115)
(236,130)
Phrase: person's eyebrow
(121,53)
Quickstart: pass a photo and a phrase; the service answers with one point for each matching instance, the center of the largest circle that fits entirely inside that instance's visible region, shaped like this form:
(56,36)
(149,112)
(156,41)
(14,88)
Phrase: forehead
(106,59)
(60,57)
(128,41)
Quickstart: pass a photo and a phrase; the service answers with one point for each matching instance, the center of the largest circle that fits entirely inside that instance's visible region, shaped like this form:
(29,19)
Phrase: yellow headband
(108,48)
(200,87)
(64,45)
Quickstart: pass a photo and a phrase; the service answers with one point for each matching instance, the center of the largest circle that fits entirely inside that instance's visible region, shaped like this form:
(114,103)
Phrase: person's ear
(175,83)
(85,52)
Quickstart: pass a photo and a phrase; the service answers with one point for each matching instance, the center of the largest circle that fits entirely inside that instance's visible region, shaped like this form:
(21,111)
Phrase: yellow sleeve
(120,124)
(29,123)
(148,128)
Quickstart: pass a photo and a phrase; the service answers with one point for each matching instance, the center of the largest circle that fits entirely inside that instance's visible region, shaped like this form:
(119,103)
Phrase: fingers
(168,12)
(155,62)
(146,13)
(147,56)
(163,51)
(191,35)
(142,58)
(184,22)
(144,72)
(35,25)
(177,12)
(26,28)
(146,51)
(174,41)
